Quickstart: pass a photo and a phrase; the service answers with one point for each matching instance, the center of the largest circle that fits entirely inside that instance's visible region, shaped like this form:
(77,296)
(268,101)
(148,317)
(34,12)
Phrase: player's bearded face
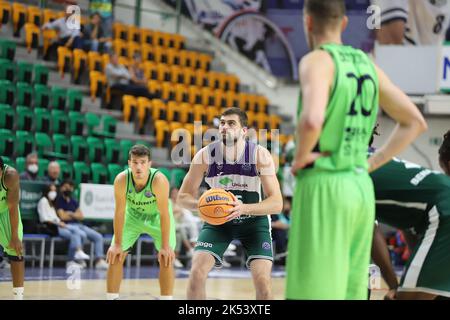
(231,130)
(139,166)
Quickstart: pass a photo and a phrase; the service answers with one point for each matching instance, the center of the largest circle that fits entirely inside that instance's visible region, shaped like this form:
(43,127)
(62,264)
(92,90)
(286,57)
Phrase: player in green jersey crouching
(142,207)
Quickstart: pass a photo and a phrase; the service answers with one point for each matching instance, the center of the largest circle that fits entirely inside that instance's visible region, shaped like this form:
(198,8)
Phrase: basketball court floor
(140,283)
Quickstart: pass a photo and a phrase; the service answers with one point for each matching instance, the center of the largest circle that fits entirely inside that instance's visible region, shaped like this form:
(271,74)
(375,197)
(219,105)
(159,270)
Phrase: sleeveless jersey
(142,203)
(351,111)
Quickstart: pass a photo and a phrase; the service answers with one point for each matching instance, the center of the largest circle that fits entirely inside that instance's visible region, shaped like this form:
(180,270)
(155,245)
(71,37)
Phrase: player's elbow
(312,123)
(182,199)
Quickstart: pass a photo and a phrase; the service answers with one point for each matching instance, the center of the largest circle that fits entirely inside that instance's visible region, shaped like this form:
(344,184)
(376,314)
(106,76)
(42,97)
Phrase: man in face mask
(31,168)
(53,172)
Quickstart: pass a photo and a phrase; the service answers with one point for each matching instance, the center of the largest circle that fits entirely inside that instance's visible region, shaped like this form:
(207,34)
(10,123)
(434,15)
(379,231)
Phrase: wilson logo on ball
(216,198)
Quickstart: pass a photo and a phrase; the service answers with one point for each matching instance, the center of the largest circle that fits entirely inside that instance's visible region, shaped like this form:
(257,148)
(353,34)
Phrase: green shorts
(428,268)
(252,231)
(136,225)
(330,237)
(5,232)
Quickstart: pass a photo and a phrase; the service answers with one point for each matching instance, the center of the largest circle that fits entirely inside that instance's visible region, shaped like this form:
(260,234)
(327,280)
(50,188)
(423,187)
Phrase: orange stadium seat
(181,93)
(174,73)
(244,103)
(184,59)
(168,91)
(144,110)
(146,37)
(186,112)
(173,57)
(187,76)
(211,113)
(205,61)
(231,83)
(262,121)
(207,96)
(48,36)
(120,31)
(261,104)
(19,17)
(159,110)
(200,78)
(129,107)
(95,62)
(200,113)
(120,47)
(158,38)
(125,61)
(5,13)
(64,60)
(163,72)
(161,133)
(147,52)
(79,64)
(160,55)
(177,41)
(219,99)
(194,58)
(97,82)
(150,71)
(133,47)
(251,103)
(195,96)
(213,80)
(134,34)
(154,87)
(251,119)
(105,60)
(232,99)
(173,111)
(32,33)
(34,15)
(174,126)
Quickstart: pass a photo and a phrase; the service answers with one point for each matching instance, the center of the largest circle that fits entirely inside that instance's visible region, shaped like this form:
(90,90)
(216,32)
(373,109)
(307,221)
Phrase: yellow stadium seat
(154,87)
(220,100)
(177,41)
(251,119)
(95,62)
(32,33)
(19,17)
(207,97)
(120,47)
(105,60)
(158,38)
(48,36)
(251,103)
(195,96)
(244,102)
(213,80)
(160,54)
(64,60)
(161,133)
(144,107)
(181,93)
(166,37)
(133,48)
(49,15)
(147,52)
(275,121)
(175,130)
(232,100)
(231,83)
(261,121)
(34,15)
(124,61)
(261,104)
(150,71)
(204,61)
(194,58)
(134,34)
(200,113)
(168,91)
(174,73)
(5,12)
(184,59)
(163,72)
(129,107)
(79,63)
(186,112)
(173,57)
(97,82)
(187,76)
(146,37)
(211,113)
(159,110)
(173,111)
(120,31)
(200,78)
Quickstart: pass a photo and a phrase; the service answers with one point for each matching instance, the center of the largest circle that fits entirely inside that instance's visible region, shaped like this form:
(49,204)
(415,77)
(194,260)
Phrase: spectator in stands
(94,36)
(56,227)
(69,212)
(105,9)
(53,172)
(119,78)
(67,36)
(280,227)
(137,72)
(31,168)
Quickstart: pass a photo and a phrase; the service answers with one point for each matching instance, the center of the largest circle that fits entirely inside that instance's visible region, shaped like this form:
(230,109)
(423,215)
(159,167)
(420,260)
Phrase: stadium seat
(65,57)
(42,95)
(113,171)
(147,53)
(24,94)
(177,177)
(159,110)
(154,87)
(75,99)
(195,96)
(147,36)
(66,169)
(24,143)
(59,96)
(40,74)
(213,80)
(7,70)
(109,125)
(274,121)
(144,111)
(7,116)
(5,12)
(158,38)
(7,142)
(175,72)
(92,122)
(25,118)
(181,93)
(34,15)
(61,146)
(42,120)
(251,119)
(161,133)
(99,173)
(200,78)
(43,166)
(48,37)
(76,123)
(125,146)
(174,133)
(81,172)
(49,15)
(163,72)
(168,91)
(79,64)
(232,99)
(60,121)
(133,48)
(112,151)
(24,72)
(120,47)
(95,61)
(177,41)
(186,112)
(20,164)
(96,149)
(207,97)
(261,104)
(193,58)
(231,83)
(173,58)
(204,61)
(32,33)
(211,113)
(19,17)
(129,107)
(79,148)
(244,102)
(160,55)
(120,31)
(44,145)
(262,121)
(199,113)
(134,34)
(150,70)
(7,92)
(97,84)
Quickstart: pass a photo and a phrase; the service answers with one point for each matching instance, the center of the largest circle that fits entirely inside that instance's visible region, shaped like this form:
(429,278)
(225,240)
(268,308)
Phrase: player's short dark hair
(325,12)
(243,119)
(444,150)
(139,150)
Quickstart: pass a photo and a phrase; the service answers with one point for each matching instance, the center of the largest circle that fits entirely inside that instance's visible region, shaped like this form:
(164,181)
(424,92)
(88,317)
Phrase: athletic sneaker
(81,255)
(226,264)
(101,265)
(177,264)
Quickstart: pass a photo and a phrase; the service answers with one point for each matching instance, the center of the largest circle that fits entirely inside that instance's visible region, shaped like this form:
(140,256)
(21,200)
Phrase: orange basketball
(213,206)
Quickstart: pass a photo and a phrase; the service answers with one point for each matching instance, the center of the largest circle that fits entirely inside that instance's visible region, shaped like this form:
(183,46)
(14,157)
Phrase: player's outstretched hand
(115,253)
(166,256)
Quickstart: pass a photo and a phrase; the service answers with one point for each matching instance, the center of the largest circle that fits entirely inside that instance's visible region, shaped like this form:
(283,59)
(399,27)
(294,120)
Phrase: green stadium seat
(177,177)
(113,171)
(99,173)
(7,92)
(60,121)
(42,120)
(79,148)
(75,99)
(112,151)
(43,166)
(125,146)
(44,144)
(9,161)
(25,72)
(40,74)
(7,70)
(7,142)
(109,126)
(25,118)
(7,49)
(82,173)
(92,122)
(24,94)
(61,146)
(66,170)
(167,172)
(76,123)
(41,96)
(24,143)
(7,116)
(20,164)
(96,149)
(58,98)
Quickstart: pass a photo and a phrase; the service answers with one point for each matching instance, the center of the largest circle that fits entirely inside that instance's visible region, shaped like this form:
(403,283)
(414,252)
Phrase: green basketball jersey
(142,203)
(406,192)
(3,192)
(351,111)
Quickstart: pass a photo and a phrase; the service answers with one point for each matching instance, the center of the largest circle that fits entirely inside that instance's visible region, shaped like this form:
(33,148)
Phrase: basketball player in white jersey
(413,22)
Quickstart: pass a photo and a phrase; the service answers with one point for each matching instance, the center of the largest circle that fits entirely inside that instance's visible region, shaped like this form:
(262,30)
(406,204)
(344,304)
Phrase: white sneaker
(232,246)
(226,264)
(101,265)
(5,264)
(229,253)
(81,255)
(177,264)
